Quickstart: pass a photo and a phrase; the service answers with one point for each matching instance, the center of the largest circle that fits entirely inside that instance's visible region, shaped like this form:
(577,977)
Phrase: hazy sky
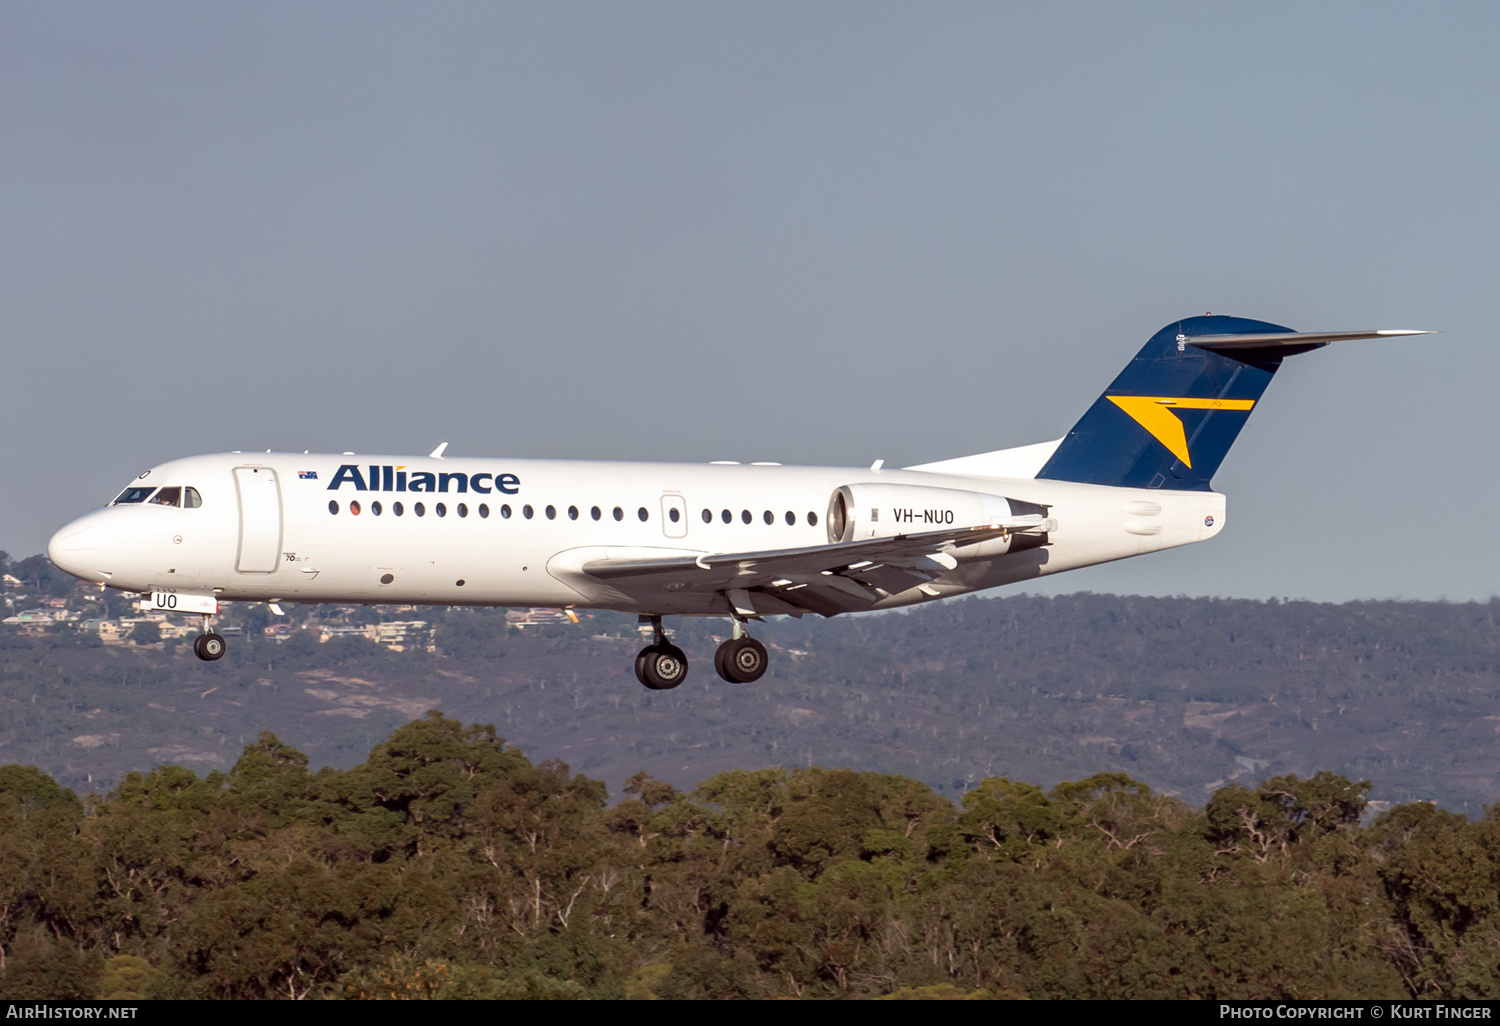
(812,233)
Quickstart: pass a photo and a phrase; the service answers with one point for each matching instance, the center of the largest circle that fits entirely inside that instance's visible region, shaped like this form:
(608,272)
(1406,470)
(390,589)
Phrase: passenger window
(572,512)
(397,508)
(727,516)
(440,509)
(375,507)
(354,508)
(745,516)
(708,516)
(791,519)
(642,514)
(619,513)
(191,499)
(812,518)
(673,515)
(595,513)
(527,512)
(505,511)
(484,511)
(769,517)
(134,494)
(167,497)
(551,512)
(463,509)
(333,506)
(419,509)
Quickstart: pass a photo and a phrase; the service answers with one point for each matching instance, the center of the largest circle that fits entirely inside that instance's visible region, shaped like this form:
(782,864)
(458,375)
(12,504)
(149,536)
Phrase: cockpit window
(167,497)
(191,499)
(135,493)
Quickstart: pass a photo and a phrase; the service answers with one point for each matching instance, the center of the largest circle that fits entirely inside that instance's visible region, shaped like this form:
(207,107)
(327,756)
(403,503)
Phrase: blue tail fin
(1170,417)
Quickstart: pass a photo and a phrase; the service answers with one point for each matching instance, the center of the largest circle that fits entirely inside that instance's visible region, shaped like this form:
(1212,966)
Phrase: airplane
(743,542)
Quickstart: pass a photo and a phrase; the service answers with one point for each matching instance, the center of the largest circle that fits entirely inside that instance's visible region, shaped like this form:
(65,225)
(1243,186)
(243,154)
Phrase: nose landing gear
(209,646)
(741,659)
(661,665)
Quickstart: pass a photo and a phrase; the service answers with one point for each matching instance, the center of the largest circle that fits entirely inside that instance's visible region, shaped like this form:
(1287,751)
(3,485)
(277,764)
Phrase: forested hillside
(450,865)
(1186,695)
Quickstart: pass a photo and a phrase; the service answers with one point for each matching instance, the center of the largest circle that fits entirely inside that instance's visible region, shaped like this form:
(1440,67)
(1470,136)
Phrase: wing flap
(754,569)
(842,577)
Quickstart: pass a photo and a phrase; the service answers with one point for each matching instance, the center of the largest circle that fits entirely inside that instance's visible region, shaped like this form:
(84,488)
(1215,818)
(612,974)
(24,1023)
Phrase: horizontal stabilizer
(1267,340)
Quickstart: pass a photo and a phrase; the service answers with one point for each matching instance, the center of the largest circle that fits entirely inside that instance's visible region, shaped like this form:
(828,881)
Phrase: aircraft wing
(827,579)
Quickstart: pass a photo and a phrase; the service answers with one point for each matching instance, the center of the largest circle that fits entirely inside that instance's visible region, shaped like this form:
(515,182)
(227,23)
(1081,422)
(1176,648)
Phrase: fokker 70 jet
(666,539)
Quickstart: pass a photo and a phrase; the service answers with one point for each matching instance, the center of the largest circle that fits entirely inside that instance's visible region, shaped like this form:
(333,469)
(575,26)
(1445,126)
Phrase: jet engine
(860,511)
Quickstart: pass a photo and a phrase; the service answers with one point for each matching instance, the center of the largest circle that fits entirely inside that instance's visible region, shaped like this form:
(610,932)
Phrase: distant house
(277,631)
(397,635)
(537,617)
(32,617)
(109,632)
(329,633)
(141,630)
(7,581)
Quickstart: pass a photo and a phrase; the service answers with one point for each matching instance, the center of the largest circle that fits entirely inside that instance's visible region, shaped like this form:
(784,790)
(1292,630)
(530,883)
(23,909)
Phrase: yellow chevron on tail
(1154,413)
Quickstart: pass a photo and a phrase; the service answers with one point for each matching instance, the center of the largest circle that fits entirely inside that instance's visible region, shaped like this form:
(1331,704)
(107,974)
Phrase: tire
(209,647)
(742,661)
(661,667)
(641,659)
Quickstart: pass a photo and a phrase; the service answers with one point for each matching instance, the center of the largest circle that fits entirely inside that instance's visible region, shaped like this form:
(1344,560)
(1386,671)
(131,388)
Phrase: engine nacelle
(860,511)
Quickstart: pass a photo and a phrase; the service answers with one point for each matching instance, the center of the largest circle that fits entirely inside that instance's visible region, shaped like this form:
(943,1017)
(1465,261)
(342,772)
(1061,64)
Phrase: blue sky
(822,233)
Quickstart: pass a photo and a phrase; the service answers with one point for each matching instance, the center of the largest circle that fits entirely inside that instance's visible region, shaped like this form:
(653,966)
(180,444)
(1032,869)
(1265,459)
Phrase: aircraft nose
(75,549)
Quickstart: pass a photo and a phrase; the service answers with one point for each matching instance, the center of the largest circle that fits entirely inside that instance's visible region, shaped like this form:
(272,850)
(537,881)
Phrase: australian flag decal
(307,475)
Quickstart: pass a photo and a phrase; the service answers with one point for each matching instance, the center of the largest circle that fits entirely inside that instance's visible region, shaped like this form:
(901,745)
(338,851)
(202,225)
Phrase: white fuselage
(265,529)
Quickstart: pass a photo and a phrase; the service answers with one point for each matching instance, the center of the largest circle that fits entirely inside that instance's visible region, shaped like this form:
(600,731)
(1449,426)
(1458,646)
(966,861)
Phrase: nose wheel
(661,665)
(209,646)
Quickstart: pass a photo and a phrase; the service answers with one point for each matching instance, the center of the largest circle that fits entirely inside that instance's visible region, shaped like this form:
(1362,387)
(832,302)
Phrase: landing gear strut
(208,646)
(741,659)
(661,665)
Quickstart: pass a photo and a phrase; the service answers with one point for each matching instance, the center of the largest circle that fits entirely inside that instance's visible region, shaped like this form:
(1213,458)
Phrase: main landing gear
(661,665)
(208,646)
(741,659)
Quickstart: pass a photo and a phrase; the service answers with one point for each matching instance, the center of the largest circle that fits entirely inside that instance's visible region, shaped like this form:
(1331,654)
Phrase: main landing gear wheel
(209,647)
(741,660)
(661,667)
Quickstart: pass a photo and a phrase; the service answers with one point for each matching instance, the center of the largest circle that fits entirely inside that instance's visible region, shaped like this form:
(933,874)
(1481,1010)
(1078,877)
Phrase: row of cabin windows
(595,513)
(174,495)
(746,517)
